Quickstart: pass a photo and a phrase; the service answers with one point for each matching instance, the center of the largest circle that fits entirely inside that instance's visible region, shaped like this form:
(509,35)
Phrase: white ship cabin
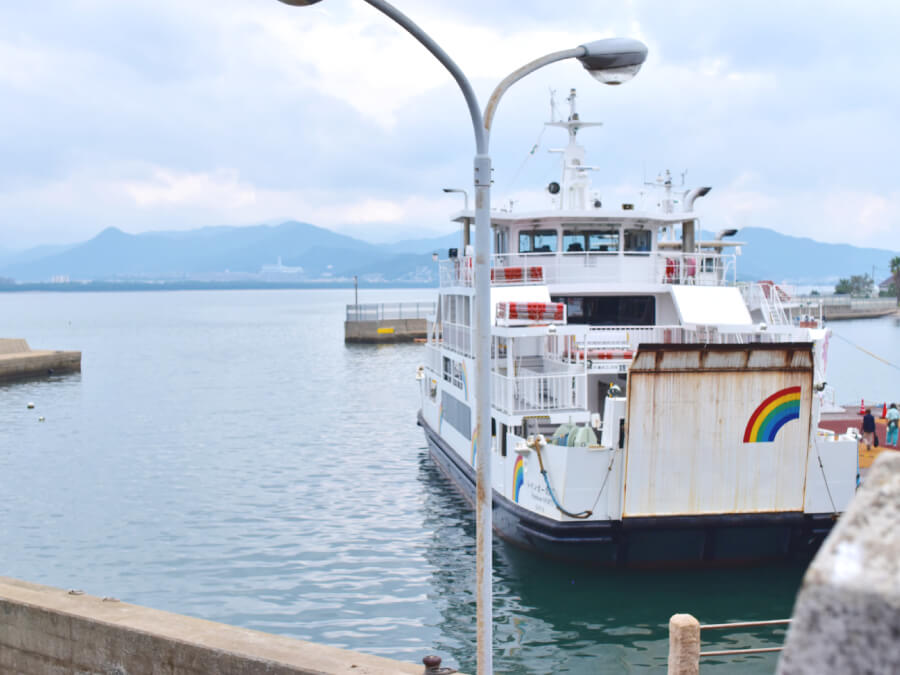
(577,287)
(573,296)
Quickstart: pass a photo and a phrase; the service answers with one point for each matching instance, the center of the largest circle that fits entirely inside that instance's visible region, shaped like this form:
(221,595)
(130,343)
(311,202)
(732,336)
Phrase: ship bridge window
(573,242)
(603,241)
(537,241)
(637,241)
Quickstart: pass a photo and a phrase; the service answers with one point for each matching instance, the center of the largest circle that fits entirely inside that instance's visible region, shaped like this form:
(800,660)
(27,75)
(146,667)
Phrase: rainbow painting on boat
(518,477)
(772,414)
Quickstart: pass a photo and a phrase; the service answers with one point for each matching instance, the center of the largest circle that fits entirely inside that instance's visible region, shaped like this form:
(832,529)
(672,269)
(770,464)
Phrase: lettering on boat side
(772,414)
(539,496)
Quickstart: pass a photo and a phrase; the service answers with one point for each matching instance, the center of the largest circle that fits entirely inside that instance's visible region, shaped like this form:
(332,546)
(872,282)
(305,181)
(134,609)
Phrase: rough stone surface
(847,616)
(47,631)
(684,645)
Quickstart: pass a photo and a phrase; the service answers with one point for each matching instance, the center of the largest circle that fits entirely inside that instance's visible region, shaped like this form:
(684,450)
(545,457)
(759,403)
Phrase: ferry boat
(646,409)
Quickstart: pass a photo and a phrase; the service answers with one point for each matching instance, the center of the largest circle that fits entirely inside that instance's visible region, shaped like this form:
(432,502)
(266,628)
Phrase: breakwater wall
(837,308)
(48,630)
(398,330)
(387,322)
(18,360)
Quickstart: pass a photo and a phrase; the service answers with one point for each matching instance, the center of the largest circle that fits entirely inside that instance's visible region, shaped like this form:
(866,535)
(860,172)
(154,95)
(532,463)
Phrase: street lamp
(611,61)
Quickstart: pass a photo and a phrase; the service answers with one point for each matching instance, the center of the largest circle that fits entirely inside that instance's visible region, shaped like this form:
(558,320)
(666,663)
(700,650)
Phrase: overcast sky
(169,114)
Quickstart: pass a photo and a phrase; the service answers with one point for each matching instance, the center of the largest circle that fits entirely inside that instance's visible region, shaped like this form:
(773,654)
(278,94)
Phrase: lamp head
(613,60)
(299,3)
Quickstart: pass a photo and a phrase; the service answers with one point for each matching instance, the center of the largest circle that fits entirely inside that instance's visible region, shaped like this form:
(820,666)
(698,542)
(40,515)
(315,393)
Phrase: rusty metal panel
(700,440)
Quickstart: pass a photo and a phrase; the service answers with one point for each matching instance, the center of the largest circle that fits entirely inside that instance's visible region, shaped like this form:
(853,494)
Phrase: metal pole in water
(356,291)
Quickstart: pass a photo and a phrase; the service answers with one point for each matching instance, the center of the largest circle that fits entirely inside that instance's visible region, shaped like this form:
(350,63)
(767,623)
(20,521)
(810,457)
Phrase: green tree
(859,285)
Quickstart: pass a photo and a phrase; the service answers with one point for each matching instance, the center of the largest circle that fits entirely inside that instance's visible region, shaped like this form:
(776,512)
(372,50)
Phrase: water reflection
(552,617)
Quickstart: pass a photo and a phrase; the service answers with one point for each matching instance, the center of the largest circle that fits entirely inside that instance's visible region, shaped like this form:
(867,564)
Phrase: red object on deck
(862,406)
(884,411)
(517,274)
(533,311)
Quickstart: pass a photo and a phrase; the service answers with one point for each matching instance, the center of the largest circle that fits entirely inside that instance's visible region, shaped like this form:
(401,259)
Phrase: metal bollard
(684,645)
(433,666)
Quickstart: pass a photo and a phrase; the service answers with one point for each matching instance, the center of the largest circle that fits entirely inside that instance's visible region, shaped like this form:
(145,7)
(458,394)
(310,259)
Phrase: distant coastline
(130,286)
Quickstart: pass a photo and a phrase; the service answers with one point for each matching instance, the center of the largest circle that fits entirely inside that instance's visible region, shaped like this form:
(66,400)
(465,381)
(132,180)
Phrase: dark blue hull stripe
(654,541)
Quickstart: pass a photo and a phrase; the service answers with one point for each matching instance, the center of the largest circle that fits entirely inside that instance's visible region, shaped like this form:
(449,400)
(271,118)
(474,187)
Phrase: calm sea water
(225,455)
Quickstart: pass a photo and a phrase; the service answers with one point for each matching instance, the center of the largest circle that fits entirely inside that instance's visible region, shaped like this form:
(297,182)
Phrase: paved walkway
(850,418)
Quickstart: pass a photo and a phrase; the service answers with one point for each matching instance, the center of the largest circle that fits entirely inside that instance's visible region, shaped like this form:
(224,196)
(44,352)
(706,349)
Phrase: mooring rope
(825,478)
(582,515)
(612,459)
(534,149)
(866,351)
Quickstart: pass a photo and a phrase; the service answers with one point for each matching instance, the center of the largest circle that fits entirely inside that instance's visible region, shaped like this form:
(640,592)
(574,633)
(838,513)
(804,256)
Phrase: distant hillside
(310,253)
(800,260)
(213,252)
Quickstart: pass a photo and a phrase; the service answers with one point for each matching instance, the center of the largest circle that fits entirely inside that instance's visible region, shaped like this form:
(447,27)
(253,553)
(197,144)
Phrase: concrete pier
(386,331)
(19,361)
(387,322)
(841,308)
(49,631)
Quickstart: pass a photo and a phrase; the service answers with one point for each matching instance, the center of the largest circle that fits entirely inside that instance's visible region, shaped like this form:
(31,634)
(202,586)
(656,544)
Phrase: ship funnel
(688,236)
(694,194)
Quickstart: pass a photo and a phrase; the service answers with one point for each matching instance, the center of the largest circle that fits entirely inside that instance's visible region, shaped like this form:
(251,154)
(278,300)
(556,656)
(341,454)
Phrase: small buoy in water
(30,405)
(41,418)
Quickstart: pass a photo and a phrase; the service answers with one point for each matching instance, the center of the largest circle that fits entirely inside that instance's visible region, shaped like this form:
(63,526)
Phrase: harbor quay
(19,361)
(387,322)
(51,631)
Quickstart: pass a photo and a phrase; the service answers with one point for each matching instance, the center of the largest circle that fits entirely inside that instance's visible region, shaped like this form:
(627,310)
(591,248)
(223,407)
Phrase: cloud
(220,189)
(165,114)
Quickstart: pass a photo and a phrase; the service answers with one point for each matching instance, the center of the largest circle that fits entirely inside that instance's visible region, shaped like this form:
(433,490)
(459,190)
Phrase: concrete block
(684,645)
(385,330)
(847,616)
(45,631)
(14,346)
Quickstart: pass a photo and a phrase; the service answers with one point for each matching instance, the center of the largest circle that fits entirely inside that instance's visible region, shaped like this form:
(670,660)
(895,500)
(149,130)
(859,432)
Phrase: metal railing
(457,337)
(538,393)
(696,269)
(684,642)
(769,299)
(743,624)
(633,336)
(854,303)
(700,269)
(390,311)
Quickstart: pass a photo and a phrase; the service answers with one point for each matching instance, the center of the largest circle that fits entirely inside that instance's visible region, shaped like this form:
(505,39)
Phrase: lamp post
(611,61)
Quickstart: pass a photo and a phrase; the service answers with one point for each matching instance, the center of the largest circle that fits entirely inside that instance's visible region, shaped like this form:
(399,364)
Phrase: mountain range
(295,251)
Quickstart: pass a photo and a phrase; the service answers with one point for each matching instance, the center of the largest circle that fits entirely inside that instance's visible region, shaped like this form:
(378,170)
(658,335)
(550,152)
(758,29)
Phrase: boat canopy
(710,305)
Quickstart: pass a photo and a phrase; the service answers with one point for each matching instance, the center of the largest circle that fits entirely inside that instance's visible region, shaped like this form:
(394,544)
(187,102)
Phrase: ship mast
(576,181)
